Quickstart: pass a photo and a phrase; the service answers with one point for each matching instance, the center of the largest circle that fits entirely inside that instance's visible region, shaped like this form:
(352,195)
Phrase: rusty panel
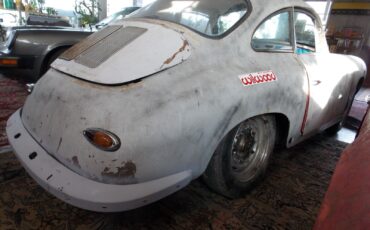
(85,44)
(100,52)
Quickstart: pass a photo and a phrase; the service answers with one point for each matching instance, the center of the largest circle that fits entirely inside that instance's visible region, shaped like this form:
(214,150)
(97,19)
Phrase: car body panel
(171,121)
(154,49)
(330,88)
(51,175)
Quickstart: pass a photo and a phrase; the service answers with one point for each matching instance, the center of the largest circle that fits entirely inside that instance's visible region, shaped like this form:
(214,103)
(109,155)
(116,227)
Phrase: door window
(305,33)
(274,34)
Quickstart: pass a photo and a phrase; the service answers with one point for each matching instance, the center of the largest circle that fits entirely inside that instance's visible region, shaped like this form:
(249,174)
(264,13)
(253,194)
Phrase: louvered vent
(98,47)
(85,44)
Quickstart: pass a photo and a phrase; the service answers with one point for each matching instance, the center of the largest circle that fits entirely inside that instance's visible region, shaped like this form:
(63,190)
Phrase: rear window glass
(209,17)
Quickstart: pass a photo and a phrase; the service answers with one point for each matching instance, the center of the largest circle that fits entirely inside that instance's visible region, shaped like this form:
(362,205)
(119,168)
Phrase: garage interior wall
(353,19)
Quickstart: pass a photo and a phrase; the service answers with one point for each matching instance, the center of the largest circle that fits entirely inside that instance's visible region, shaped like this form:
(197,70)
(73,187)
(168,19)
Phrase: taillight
(102,139)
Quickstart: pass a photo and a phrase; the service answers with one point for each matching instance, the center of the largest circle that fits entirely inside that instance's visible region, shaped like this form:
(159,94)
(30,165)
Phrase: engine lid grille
(101,51)
(98,47)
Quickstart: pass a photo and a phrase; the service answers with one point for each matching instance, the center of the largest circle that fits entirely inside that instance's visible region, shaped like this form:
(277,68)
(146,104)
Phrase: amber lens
(103,140)
(9,61)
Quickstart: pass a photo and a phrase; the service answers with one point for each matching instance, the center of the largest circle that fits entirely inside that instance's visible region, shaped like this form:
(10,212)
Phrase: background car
(29,50)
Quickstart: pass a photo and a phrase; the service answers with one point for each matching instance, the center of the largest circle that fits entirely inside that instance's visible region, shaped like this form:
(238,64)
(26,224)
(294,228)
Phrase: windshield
(209,17)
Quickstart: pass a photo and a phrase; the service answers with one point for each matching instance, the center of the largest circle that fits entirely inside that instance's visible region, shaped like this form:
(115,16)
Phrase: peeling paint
(127,170)
(170,59)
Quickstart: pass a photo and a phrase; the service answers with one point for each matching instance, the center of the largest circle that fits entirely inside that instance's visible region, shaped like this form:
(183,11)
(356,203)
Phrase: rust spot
(75,161)
(127,170)
(60,99)
(182,48)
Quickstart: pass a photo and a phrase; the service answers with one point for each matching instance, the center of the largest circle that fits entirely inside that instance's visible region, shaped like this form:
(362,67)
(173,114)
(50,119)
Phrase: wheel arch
(51,52)
(282,132)
(360,83)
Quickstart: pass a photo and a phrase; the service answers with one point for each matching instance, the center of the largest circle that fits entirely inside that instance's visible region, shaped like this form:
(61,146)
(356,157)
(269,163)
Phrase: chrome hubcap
(244,146)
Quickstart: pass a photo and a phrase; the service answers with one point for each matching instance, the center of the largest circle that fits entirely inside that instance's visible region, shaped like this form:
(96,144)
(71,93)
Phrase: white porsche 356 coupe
(178,90)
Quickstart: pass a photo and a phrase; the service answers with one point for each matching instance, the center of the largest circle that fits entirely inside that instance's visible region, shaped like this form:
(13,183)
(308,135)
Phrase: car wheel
(50,60)
(335,128)
(241,158)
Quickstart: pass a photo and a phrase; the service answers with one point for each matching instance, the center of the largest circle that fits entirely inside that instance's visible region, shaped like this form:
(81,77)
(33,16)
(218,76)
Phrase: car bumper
(80,191)
(18,65)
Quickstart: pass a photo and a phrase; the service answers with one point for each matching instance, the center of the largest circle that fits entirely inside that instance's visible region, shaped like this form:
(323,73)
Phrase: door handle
(316,82)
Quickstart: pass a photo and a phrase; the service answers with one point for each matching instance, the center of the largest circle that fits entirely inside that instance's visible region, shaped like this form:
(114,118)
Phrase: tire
(335,128)
(51,59)
(242,157)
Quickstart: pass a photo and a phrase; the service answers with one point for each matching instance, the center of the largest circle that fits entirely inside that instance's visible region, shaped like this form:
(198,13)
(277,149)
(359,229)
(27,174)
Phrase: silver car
(179,90)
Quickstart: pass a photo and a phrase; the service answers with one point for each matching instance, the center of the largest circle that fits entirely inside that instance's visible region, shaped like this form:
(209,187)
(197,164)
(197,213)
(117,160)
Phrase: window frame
(218,37)
(292,32)
(316,29)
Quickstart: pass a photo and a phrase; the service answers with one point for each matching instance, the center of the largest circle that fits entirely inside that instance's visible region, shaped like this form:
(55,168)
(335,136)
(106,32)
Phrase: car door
(273,42)
(327,88)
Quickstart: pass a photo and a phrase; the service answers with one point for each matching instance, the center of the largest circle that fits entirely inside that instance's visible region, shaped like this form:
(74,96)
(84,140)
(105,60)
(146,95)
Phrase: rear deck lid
(124,52)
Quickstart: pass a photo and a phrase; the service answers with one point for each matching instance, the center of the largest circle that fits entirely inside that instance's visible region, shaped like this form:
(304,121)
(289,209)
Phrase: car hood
(124,52)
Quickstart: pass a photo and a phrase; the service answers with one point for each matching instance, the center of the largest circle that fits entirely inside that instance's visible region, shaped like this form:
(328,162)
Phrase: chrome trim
(30,87)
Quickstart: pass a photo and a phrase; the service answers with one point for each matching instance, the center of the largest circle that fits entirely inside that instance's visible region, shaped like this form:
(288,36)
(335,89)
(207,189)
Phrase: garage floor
(289,198)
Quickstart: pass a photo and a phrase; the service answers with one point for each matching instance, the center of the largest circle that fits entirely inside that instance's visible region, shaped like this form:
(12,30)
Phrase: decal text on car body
(257,78)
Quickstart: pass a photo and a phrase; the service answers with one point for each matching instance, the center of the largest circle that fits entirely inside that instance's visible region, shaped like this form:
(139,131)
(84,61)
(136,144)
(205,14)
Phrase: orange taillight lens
(9,62)
(102,139)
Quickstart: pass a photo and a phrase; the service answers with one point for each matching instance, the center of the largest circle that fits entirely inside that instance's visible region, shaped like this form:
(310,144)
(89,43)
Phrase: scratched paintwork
(171,118)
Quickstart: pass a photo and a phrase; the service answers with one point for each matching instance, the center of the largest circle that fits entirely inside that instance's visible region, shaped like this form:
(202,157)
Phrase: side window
(305,33)
(273,34)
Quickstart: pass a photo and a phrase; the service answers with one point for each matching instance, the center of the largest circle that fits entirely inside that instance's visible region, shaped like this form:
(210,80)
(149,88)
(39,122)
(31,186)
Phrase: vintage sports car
(178,90)
(29,50)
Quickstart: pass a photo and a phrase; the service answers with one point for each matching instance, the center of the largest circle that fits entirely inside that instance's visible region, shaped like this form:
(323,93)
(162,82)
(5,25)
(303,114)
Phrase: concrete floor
(346,135)
(288,198)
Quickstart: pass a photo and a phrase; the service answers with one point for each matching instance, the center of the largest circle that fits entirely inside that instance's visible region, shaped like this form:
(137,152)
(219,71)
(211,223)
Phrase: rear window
(208,17)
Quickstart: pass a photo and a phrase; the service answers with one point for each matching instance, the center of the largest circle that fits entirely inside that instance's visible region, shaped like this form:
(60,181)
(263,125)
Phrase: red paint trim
(303,126)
